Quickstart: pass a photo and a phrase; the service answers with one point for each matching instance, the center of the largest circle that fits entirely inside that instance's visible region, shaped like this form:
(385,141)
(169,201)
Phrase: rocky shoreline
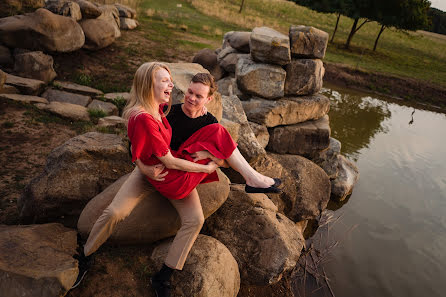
(269,101)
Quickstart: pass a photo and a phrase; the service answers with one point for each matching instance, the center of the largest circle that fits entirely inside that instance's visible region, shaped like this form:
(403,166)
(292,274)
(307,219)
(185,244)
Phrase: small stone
(128,24)
(115,96)
(23,98)
(35,65)
(67,110)
(75,88)
(343,184)
(112,121)
(26,86)
(107,107)
(62,96)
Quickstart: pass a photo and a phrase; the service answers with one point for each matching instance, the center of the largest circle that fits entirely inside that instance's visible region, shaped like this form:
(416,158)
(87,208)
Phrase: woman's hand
(204,111)
(201,155)
(211,167)
(153,172)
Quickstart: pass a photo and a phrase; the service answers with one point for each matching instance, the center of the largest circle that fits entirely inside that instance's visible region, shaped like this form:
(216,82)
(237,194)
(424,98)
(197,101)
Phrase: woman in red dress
(150,135)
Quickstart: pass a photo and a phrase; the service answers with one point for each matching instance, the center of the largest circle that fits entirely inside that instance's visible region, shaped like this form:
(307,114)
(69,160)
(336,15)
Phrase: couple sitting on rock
(176,148)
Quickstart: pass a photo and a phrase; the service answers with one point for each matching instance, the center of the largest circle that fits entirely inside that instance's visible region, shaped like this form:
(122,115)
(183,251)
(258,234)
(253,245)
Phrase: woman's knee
(195,221)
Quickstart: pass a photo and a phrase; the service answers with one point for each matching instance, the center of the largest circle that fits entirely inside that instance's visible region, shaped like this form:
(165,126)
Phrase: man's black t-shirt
(183,126)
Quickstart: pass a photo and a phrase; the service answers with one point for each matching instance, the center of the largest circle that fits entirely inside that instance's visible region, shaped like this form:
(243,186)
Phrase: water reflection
(355,119)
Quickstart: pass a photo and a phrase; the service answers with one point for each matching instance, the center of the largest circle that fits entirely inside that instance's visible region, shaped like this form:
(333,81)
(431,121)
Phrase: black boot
(161,281)
(84,264)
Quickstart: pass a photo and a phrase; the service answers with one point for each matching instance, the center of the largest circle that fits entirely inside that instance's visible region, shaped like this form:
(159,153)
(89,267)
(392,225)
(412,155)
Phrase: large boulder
(264,80)
(182,74)
(41,30)
(13,7)
(35,65)
(239,40)
(154,218)
(37,260)
(312,187)
(265,243)
(304,77)
(110,14)
(66,110)
(74,173)
(66,8)
(286,111)
(247,141)
(208,59)
(67,97)
(26,86)
(88,9)
(328,159)
(343,184)
(210,270)
(308,42)
(99,33)
(270,46)
(228,57)
(301,139)
(75,88)
(232,127)
(5,56)
(106,107)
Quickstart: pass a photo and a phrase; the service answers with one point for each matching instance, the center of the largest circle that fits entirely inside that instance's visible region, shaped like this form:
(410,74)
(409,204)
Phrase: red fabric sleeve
(146,139)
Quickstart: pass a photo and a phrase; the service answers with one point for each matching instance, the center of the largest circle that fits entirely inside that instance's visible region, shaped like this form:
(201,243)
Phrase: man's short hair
(207,80)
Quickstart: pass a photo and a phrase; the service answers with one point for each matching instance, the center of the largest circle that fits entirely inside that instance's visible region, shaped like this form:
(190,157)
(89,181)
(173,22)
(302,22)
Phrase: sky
(440,4)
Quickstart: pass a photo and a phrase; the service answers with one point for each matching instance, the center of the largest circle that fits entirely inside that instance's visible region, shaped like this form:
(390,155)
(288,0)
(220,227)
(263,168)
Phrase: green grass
(399,53)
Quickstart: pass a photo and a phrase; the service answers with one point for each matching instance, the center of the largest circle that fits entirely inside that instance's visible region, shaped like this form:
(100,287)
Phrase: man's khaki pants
(129,195)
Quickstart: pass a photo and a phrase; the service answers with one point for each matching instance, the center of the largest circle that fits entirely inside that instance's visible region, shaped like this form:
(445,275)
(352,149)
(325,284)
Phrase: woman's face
(162,86)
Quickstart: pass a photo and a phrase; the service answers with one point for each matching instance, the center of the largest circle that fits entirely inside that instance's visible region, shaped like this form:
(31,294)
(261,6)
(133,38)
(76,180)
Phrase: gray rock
(125,11)
(261,133)
(13,7)
(74,173)
(301,139)
(62,96)
(208,59)
(75,88)
(232,127)
(128,24)
(107,107)
(304,77)
(247,141)
(225,42)
(114,96)
(228,57)
(308,42)
(328,159)
(41,30)
(5,56)
(66,8)
(182,74)
(112,121)
(99,33)
(240,41)
(23,98)
(210,269)
(265,243)
(37,260)
(110,14)
(270,46)
(227,86)
(311,187)
(26,86)
(164,221)
(35,65)
(343,184)
(88,9)
(66,110)
(264,80)
(286,111)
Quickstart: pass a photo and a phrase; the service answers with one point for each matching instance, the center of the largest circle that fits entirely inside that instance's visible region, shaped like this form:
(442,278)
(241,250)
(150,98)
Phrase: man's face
(196,97)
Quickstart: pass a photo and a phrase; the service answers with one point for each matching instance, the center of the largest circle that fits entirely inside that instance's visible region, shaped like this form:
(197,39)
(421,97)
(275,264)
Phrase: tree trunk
(336,28)
(241,6)
(352,32)
(379,35)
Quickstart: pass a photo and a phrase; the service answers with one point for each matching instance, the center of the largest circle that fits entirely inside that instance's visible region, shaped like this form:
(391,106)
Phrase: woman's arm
(175,163)
(200,155)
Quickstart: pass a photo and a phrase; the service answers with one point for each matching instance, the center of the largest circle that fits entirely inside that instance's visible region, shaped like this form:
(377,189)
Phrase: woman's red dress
(150,139)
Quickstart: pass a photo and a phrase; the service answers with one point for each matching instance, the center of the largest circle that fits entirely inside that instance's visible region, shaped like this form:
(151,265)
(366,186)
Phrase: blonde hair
(141,95)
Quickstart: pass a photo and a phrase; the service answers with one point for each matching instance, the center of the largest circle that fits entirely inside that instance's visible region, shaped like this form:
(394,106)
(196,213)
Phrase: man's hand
(153,172)
(204,110)
(201,155)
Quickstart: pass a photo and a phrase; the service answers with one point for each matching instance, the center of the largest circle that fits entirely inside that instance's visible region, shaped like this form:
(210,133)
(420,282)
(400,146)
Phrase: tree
(241,6)
(401,14)
(438,18)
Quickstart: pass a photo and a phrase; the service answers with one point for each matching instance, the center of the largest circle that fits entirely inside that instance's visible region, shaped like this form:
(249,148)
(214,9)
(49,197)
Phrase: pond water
(399,204)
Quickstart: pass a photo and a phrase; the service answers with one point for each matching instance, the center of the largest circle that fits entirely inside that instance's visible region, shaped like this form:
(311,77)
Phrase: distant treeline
(438,21)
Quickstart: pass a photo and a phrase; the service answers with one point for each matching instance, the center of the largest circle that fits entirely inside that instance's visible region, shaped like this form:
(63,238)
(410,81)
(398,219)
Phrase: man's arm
(153,172)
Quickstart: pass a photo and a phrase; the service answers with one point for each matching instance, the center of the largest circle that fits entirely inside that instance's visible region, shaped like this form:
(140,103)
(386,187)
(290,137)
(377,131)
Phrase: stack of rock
(278,79)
